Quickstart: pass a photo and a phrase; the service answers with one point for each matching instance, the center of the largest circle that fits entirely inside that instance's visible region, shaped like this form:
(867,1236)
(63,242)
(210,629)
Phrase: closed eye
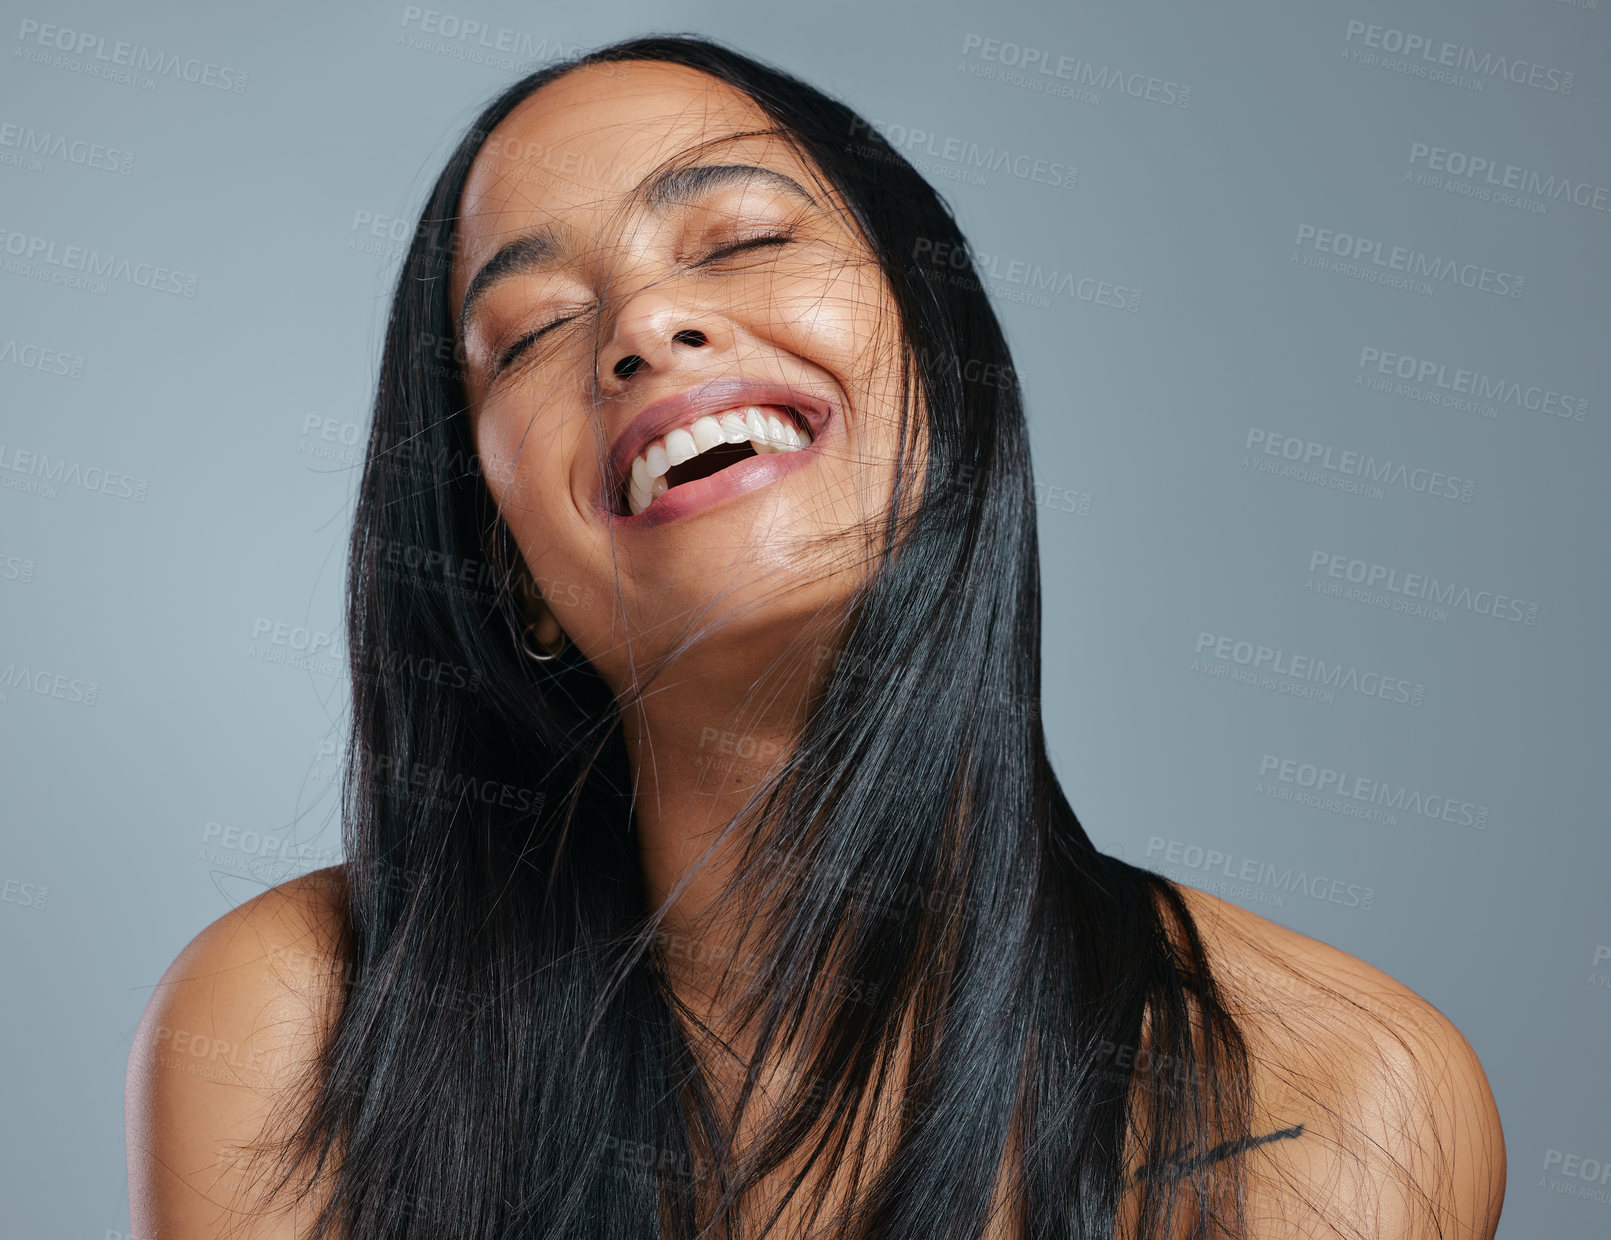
(749,243)
(526,341)
(530,338)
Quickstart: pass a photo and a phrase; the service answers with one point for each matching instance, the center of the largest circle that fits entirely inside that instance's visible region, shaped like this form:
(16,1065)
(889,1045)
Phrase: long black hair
(505,1058)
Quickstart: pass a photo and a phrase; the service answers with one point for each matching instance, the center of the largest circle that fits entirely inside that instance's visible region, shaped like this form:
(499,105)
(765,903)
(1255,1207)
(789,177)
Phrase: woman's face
(651,279)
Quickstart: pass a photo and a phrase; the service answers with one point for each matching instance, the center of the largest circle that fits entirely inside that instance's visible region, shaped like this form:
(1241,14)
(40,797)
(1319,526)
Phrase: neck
(702,739)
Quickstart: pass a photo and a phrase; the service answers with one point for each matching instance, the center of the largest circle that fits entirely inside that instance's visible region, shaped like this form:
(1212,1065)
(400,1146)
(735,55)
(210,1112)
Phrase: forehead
(583,142)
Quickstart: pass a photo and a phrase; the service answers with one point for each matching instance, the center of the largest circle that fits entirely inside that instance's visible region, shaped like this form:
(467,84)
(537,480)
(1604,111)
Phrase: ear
(545,626)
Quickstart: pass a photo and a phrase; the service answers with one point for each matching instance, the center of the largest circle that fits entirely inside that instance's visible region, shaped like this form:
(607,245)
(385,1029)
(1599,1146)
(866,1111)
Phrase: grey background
(199,768)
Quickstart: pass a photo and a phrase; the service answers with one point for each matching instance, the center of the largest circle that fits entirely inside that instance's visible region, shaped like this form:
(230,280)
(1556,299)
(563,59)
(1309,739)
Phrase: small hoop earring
(531,646)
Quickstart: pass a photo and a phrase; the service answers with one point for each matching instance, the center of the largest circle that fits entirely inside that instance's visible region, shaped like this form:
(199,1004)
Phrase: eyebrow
(534,250)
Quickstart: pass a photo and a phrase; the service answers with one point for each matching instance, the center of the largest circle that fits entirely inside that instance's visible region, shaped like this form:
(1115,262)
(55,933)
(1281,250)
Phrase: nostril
(627,366)
(691,336)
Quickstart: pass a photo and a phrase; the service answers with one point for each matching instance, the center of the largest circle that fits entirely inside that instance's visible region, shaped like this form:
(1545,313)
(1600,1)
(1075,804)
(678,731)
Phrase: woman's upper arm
(233,1024)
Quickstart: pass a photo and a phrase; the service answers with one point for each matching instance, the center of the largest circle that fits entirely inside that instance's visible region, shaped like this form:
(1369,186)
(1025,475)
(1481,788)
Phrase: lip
(681,408)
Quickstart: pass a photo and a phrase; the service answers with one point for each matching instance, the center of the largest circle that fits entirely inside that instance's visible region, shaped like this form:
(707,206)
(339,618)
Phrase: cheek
(832,315)
(539,468)
(497,465)
(849,325)
(525,456)
(526,477)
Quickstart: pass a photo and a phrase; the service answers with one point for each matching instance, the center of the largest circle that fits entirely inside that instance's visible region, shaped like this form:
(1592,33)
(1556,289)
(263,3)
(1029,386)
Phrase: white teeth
(775,435)
(765,432)
(680,447)
(707,433)
(639,498)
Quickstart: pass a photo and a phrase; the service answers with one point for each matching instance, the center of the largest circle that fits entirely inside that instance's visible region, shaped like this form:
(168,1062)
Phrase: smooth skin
(757,573)
(722,592)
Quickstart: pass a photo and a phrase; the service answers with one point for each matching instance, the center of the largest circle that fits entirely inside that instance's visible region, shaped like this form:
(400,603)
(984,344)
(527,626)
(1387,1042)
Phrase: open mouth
(707,445)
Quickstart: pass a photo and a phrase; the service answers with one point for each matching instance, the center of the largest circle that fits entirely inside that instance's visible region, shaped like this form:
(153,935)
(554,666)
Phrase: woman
(706,873)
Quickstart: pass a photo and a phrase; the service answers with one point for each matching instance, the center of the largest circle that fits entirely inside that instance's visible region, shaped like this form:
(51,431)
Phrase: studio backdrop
(1310,306)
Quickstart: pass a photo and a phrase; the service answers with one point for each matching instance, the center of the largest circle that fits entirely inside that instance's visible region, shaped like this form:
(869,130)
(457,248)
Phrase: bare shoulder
(235,1022)
(1398,1133)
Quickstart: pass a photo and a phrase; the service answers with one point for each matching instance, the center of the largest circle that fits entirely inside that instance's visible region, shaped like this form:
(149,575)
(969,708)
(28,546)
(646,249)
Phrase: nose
(656,333)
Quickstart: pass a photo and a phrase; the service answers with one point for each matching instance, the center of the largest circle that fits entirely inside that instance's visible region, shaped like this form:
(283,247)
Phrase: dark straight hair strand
(505,1059)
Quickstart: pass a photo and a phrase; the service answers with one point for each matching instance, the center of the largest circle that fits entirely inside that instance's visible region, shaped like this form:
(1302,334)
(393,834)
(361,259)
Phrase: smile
(708,444)
(717,440)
